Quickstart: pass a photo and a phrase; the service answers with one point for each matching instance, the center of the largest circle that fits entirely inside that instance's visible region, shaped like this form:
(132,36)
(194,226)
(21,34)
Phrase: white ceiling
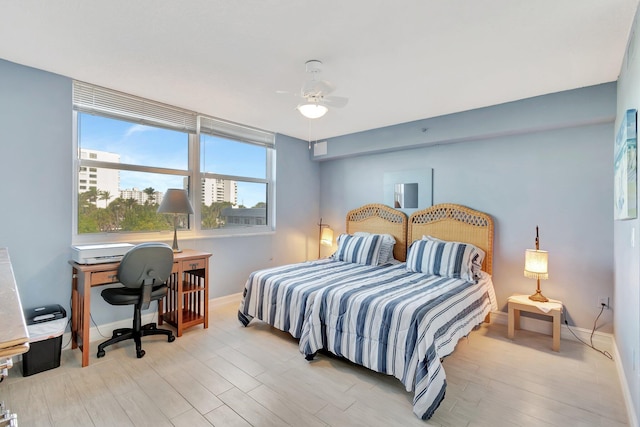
(396,61)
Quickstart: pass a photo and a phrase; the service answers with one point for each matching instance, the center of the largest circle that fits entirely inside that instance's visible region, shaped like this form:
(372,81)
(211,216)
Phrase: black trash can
(46,326)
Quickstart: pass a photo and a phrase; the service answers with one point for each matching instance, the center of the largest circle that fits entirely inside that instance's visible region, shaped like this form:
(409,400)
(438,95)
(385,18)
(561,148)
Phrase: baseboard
(624,385)
(227,299)
(601,340)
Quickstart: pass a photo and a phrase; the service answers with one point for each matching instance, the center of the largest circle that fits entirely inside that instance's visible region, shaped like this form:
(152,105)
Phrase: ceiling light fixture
(312,111)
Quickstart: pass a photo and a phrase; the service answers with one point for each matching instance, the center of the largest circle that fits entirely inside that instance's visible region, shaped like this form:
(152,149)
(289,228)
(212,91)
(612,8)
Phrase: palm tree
(151,195)
(104,195)
(92,195)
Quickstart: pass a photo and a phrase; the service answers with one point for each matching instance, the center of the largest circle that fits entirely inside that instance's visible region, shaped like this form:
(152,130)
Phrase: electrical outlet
(603,301)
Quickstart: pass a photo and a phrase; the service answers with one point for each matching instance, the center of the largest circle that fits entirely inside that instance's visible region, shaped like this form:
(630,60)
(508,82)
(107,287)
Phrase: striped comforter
(279,296)
(399,323)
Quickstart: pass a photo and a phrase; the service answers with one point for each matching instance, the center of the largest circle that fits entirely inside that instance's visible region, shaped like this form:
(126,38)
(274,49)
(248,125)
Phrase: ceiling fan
(315,93)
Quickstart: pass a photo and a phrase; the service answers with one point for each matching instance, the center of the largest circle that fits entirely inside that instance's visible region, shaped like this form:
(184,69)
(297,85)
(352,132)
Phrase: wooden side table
(553,308)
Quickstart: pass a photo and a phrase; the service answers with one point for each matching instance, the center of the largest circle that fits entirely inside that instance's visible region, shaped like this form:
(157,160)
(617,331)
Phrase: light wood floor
(228,375)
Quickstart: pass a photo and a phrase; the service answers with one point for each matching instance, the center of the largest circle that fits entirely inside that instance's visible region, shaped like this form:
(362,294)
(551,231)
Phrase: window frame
(229,130)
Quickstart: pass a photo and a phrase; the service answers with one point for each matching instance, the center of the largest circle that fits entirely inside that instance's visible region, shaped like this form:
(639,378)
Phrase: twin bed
(398,315)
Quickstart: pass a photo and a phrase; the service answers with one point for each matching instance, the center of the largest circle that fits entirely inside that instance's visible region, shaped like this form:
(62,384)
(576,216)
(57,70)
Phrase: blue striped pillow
(359,249)
(448,259)
(386,247)
(476,259)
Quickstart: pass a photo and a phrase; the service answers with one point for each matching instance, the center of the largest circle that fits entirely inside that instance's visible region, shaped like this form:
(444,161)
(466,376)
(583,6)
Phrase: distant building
(215,190)
(239,217)
(101,179)
(141,197)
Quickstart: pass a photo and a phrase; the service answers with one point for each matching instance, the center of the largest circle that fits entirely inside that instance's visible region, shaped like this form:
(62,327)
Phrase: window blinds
(88,98)
(217,127)
(92,99)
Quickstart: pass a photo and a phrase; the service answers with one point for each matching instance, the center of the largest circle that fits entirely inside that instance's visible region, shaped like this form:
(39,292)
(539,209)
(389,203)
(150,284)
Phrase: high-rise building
(216,190)
(141,196)
(105,181)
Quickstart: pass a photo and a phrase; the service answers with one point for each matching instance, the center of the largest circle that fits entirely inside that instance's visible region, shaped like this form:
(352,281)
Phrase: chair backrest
(145,263)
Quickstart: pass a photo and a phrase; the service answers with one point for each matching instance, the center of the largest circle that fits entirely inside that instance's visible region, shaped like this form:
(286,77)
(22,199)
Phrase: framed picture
(625,168)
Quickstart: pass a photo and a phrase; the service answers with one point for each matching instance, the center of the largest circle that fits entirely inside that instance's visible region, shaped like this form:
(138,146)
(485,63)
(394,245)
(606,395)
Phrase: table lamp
(176,202)
(325,236)
(536,267)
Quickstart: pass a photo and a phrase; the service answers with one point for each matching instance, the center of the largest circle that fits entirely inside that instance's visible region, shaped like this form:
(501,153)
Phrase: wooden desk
(186,303)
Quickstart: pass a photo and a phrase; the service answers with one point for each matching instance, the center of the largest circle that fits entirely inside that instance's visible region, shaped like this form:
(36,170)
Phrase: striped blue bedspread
(279,296)
(399,323)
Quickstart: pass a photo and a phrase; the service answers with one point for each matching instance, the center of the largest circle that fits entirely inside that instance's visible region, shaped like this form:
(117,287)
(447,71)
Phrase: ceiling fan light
(312,111)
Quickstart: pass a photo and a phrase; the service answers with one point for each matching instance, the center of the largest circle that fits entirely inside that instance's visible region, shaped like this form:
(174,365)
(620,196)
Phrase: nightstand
(553,308)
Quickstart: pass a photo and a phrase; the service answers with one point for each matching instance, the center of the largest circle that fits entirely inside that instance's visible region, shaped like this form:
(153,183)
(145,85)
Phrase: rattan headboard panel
(448,221)
(381,219)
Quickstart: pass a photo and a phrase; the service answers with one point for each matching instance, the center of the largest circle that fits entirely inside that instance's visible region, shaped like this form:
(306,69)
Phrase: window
(235,186)
(131,150)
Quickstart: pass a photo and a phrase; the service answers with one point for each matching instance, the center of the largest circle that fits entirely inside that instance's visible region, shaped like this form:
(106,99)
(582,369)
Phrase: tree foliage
(126,215)
(212,215)
(119,215)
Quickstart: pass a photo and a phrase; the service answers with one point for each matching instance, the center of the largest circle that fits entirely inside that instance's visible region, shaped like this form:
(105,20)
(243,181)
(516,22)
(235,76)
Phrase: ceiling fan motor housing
(313,66)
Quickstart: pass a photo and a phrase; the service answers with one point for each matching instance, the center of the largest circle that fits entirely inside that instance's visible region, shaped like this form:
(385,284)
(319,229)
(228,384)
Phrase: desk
(186,303)
(518,303)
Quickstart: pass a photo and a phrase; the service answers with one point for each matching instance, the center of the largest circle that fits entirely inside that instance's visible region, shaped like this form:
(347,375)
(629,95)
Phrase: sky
(151,146)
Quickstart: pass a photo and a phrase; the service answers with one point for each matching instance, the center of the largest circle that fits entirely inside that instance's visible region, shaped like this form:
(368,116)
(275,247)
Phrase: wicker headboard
(457,223)
(381,219)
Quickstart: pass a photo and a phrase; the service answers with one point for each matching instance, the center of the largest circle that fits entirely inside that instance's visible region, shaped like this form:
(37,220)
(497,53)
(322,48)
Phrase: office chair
(143,271)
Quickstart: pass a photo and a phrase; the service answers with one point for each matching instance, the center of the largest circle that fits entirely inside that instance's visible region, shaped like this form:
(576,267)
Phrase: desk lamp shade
(536,267)
(176,202)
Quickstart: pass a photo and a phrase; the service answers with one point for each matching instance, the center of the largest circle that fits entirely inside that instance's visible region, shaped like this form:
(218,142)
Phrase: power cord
(604,352)
(96,325)
(65,328)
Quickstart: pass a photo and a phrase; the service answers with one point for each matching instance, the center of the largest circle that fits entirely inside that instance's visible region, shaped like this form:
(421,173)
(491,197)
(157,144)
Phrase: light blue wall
(626,233)
(554,170)
(37,189)
(36,181)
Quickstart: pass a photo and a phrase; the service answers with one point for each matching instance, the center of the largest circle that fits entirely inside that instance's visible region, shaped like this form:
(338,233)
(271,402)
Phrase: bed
(280,296)
(405,319)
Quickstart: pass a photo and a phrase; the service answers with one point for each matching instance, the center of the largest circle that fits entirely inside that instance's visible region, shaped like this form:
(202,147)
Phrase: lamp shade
(327,236)
(312,111)
(175,201)
(536,264)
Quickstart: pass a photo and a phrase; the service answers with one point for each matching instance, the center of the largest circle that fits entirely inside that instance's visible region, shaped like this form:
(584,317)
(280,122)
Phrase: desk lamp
(176,202)
(325,236)
(536,267)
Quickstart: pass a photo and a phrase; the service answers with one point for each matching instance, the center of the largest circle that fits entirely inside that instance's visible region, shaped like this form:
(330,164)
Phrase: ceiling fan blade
(317,87)
(335,101)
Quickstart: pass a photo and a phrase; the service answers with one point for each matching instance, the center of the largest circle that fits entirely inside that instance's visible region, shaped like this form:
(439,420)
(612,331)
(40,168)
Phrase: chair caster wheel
(101,353)
(171,338)
(140,354)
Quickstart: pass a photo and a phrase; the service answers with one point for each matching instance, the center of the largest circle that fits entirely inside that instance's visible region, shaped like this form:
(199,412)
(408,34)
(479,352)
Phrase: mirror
(405,196)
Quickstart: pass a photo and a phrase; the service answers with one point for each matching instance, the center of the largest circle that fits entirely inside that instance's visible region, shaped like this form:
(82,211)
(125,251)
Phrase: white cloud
(136,129)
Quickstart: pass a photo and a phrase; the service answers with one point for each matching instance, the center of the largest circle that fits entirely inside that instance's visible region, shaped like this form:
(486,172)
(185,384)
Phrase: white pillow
(386,249)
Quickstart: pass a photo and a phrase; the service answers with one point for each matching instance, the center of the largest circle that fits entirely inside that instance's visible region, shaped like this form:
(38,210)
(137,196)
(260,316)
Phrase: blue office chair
(143,271)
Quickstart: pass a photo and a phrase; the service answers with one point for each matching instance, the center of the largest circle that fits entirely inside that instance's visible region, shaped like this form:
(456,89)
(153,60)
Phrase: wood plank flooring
(228,375)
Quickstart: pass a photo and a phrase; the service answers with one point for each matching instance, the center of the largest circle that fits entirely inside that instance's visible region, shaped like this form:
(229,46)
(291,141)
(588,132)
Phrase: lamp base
(175,240)
(538,297)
